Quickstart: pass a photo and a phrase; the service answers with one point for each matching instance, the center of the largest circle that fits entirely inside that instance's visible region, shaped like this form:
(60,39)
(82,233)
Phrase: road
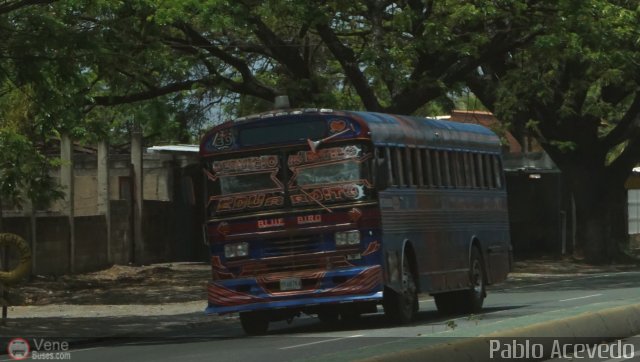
(521,301)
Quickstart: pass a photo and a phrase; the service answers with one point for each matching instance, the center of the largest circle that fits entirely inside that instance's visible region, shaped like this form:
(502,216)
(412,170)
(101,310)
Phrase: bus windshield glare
(341,171)
(258,182)
(234,184)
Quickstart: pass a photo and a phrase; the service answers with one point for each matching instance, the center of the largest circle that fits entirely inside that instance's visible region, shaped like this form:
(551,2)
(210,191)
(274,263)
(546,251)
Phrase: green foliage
(24,172)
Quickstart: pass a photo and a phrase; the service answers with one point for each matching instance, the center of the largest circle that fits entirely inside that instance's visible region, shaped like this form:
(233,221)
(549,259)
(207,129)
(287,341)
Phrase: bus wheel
(448,303)
(402,307)
(254,323)
(466,301)
(474,297)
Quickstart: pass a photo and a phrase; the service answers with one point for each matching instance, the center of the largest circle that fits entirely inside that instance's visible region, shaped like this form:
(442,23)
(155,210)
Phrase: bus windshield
(260,182)
(329,173)
(234,184)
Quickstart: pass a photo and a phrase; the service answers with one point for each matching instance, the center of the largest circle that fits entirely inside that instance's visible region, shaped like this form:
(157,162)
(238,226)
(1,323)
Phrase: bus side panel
(441,225)
(407,220)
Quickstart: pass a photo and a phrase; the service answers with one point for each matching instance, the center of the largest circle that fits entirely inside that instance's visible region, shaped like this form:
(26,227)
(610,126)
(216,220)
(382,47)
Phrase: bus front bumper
(357,284)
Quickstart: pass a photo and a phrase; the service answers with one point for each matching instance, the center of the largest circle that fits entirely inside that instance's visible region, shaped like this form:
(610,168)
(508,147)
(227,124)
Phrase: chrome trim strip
(287,232)
(291,211)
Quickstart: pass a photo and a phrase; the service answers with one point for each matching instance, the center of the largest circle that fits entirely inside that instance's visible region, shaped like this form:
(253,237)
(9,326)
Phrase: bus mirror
(382,174)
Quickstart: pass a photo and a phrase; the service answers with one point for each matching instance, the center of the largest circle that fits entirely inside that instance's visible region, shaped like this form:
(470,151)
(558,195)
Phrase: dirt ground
(186,282)
(120,284)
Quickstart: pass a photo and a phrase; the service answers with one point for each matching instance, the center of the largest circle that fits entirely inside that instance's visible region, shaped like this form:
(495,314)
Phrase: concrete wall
(121,236)
(52,252)
(539,213)
(171,220)
(52,245)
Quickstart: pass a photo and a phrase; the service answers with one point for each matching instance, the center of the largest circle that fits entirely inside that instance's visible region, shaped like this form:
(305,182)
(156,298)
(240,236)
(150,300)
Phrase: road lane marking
(579,277)
(318,342)
(586,296)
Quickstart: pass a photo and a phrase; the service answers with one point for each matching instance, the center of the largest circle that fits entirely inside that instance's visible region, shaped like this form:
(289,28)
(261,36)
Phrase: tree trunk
(600,199)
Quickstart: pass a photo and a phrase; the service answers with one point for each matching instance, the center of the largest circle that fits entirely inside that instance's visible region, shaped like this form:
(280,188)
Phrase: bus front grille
(291,246)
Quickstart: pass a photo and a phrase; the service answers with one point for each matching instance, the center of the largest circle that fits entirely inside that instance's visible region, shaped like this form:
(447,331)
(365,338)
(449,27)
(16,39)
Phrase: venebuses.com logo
(39,348)
(18,349)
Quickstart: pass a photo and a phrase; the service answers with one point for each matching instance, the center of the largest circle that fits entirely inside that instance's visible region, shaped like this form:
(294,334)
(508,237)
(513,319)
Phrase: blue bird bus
(333,213)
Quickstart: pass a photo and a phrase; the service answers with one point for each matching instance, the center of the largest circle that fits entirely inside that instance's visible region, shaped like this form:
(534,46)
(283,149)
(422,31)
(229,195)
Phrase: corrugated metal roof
(387,129)
(175,148)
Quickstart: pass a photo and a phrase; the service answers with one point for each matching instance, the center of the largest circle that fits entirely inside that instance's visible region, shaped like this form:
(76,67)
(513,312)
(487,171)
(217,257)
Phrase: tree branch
(15,5)
(284,53)
(350,65)
(623,130)
(249,85)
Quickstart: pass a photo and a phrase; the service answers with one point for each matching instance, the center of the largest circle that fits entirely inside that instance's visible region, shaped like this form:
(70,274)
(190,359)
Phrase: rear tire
(254,323)
(470,300)
(402,307)
(448,303)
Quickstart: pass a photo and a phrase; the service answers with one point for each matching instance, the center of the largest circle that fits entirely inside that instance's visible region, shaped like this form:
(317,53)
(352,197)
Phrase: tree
(577,89)
(567,69)
(391,56)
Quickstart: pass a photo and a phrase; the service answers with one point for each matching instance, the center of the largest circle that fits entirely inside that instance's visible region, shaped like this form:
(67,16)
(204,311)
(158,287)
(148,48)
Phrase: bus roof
(382,129)
(387,129)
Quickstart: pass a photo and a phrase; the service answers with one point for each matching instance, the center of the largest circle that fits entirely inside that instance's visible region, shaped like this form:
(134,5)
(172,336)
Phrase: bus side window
(488,173)
(380,168)
(457,169)
(416,162)
(390,169)
(480,171)
(446,168)
(396,163)
(473,170)
(497,168)
(406,167)
(437,170)
(467,170)
(427,168)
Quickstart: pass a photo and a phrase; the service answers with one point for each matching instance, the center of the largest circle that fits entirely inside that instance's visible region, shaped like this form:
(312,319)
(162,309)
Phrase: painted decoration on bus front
(246,183)
(324,155)
(328,175)
(338,125)
(222,139)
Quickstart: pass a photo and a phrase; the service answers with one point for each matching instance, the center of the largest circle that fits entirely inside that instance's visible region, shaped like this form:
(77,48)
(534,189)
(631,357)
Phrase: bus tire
(473,298)
(402,307)
(254,323)
(470,300)
(448,303)
(24,266)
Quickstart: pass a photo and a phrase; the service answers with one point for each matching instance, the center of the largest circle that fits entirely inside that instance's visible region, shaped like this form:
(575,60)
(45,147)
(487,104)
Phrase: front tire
(473,298)
(254,323)
(402,307)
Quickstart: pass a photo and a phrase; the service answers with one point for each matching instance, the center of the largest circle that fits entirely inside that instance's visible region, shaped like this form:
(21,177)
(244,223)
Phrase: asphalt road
(516,303)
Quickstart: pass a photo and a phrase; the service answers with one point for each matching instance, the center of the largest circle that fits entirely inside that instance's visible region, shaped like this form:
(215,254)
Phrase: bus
(334,213)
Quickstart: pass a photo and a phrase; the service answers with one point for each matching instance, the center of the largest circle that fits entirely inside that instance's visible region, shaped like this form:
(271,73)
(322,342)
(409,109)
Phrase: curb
(585,328)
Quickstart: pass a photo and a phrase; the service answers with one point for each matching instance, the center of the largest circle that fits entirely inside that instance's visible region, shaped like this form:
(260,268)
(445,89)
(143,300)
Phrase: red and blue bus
(333,213)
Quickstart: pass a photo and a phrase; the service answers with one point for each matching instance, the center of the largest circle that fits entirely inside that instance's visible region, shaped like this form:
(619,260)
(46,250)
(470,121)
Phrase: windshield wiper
(313,145)
(316,201)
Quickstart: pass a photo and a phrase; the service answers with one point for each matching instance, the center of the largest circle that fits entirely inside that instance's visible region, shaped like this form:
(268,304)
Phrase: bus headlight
(345,238)
(236,250)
